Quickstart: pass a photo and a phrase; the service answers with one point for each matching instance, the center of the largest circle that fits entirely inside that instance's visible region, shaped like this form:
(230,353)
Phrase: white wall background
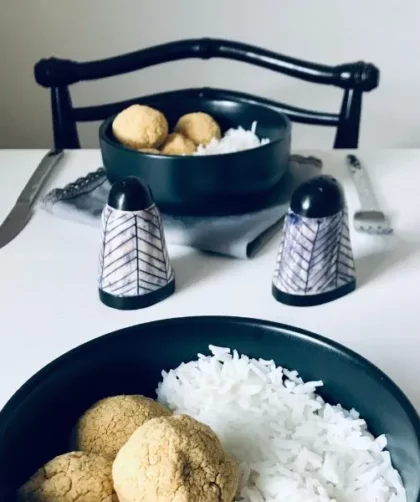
(326,31)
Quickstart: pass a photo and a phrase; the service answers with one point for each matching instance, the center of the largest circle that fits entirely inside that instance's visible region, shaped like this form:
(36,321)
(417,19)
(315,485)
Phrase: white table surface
(49,302)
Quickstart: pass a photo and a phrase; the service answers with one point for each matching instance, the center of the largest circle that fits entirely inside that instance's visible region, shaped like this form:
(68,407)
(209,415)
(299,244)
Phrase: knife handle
(40,176)
(362,182)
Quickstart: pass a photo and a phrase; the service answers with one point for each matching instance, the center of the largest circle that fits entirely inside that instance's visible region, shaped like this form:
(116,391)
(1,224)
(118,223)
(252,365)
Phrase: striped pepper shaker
(315,262)
(134,267)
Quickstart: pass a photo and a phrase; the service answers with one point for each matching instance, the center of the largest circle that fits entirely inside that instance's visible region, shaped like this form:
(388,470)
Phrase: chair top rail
(56,72)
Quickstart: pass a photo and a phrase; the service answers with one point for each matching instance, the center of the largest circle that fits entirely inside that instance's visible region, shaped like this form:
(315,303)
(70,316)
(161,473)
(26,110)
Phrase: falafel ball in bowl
(199,127)
(174,458)
(155,151)
(178,144)
(106,426)
(72,477)
(140,126)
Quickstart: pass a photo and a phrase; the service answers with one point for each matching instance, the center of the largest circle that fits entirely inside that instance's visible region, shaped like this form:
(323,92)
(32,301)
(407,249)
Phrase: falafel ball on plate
(106,426)
(178,144)
(140,126)
(72,477)
(200,127)
(174,458)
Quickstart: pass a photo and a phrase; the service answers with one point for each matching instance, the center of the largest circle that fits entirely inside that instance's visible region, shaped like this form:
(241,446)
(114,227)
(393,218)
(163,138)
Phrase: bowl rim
(110,141)
(20,395)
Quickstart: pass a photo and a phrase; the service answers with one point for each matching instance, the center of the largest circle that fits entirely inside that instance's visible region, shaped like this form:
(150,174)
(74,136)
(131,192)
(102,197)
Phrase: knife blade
(20,214)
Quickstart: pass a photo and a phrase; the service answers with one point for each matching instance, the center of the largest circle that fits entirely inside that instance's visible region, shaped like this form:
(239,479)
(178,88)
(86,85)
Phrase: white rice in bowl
(234,140)
(291,445)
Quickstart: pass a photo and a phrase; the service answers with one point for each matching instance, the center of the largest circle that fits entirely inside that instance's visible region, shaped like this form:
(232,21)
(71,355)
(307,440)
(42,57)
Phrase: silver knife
(22,210)
(370,219)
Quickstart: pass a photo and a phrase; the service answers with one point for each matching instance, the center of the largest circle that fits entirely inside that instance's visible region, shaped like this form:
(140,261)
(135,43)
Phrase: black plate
(35,423)
(207,185)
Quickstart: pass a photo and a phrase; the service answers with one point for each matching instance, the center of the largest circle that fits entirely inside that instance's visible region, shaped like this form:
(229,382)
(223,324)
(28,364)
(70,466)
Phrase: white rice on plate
(291,446)
(234,140)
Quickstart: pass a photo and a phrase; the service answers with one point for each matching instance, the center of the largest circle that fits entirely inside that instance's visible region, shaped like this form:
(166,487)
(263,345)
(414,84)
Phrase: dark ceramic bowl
(206,185)
(36,422)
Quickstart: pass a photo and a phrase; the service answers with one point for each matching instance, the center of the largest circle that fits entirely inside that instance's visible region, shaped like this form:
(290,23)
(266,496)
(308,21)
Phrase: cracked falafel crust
(106,426)
(72,477)
(174,459)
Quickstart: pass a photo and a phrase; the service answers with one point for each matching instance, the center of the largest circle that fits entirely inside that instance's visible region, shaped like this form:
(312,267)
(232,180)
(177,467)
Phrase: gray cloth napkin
(238,236)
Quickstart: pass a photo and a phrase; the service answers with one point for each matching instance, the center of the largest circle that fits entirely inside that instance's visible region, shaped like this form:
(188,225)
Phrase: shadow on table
(394,252)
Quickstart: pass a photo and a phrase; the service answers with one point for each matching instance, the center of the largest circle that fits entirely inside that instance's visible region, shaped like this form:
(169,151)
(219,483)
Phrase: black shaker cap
(130,194)
(318,197)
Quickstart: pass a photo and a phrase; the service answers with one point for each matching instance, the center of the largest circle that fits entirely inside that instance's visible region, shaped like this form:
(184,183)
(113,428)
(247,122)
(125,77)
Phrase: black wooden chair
(58,74)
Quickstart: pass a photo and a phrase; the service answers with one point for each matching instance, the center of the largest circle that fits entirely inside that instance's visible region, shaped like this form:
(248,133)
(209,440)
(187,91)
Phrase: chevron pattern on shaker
(133,259)
(345,265)
(315,254)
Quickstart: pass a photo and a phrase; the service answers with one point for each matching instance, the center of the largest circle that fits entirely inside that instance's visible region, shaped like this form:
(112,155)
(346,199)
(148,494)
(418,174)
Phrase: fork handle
(363,185)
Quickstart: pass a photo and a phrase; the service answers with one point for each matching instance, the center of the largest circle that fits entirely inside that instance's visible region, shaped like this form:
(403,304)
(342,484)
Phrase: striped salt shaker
(315,262)
(134,267)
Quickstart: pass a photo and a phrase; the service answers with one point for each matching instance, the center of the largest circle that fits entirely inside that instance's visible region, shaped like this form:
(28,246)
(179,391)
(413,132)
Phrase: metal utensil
(370,219)
(22,210)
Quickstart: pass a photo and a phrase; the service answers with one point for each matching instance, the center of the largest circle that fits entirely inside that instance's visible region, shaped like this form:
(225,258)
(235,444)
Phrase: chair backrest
(354,78)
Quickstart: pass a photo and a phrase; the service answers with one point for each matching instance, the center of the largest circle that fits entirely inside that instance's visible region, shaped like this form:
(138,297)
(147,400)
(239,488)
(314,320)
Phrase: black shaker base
(137,302)
(312,300)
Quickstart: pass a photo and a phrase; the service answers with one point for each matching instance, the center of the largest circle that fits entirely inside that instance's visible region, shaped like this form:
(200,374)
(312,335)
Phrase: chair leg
(348,128)
(64,127)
